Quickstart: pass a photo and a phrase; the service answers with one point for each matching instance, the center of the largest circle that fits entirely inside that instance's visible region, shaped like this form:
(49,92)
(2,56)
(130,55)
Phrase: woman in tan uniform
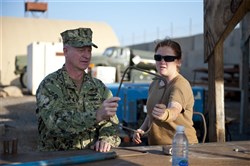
(175,107)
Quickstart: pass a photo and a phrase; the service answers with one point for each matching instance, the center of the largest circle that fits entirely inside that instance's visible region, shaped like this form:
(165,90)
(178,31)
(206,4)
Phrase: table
(199,70)
(228,153)
(231,75)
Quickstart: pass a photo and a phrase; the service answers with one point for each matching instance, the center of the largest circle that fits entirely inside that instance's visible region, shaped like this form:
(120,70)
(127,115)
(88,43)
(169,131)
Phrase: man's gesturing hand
(107,109)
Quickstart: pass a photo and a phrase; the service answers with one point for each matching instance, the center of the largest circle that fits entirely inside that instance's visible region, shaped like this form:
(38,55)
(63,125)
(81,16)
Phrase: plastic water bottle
(180,148)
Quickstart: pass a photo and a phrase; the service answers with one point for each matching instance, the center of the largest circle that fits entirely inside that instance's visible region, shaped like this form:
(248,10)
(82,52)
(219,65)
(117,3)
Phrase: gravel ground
(18,116)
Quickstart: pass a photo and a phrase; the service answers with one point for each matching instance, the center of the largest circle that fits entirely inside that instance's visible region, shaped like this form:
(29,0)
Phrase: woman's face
(164,68)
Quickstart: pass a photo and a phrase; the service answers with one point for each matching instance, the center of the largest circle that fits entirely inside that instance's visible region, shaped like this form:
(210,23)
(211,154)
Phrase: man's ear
(65,50)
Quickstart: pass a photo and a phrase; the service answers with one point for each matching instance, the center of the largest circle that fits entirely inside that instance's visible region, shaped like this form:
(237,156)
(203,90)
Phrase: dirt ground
(18,116)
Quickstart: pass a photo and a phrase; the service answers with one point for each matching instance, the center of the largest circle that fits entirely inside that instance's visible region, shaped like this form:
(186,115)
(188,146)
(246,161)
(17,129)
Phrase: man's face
(78,57)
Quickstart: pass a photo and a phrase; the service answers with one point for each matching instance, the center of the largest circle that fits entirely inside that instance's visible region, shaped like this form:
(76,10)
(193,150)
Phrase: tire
(24,79)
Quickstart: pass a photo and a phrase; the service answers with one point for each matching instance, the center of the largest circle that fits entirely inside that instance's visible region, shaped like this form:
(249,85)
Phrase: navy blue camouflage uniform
(67,116)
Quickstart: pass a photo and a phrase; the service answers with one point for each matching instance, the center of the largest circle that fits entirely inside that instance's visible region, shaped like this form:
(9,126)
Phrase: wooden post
(244,74)
(216,88)
(220,18)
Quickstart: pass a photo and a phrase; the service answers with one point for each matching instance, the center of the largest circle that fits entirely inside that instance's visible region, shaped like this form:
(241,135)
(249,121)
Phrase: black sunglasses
(167,58)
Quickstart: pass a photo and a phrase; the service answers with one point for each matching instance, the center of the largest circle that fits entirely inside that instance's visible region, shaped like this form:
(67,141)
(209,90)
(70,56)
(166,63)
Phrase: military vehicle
(21,68)
(123,57)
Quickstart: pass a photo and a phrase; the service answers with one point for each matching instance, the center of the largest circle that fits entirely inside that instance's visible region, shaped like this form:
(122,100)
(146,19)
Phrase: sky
(133,21)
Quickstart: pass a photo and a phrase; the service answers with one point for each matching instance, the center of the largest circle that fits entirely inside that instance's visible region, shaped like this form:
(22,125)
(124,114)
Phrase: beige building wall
(17,33)
(193,52)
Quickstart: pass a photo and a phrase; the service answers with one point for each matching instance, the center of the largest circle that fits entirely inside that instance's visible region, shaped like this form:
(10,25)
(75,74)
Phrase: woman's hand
(137,136)
(160,112)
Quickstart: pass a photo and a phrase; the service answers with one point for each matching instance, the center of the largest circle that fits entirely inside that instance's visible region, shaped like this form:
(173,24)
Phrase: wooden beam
(244,74)
(216,104)
(220,19)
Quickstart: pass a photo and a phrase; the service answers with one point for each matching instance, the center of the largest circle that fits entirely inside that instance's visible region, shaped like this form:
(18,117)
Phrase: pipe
(119,88)
(70,160)
(204,125)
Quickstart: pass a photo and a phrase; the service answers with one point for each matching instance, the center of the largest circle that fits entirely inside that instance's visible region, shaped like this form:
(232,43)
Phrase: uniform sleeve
(60,116)
(108,132)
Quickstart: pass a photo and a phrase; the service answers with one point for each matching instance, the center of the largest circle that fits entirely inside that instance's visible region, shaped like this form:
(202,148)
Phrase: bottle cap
(180,128)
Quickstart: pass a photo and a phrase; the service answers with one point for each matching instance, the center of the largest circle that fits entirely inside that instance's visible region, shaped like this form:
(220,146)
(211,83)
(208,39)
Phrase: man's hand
(160,112)
(101,146)
(108,109)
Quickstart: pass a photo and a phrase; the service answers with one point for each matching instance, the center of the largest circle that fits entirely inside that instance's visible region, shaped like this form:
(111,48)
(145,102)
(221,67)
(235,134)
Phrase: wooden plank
(244,80)
(216,154)
(220,18)
(216,104)
(219,93)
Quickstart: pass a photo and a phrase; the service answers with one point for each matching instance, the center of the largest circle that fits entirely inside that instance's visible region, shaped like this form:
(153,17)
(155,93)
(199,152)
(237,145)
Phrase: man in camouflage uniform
(74,110)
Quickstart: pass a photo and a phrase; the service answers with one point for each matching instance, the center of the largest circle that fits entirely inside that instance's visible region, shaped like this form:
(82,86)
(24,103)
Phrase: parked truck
(123,57)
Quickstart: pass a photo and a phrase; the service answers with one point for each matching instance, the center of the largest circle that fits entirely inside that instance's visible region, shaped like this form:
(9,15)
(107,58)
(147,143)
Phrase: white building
(17,33)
